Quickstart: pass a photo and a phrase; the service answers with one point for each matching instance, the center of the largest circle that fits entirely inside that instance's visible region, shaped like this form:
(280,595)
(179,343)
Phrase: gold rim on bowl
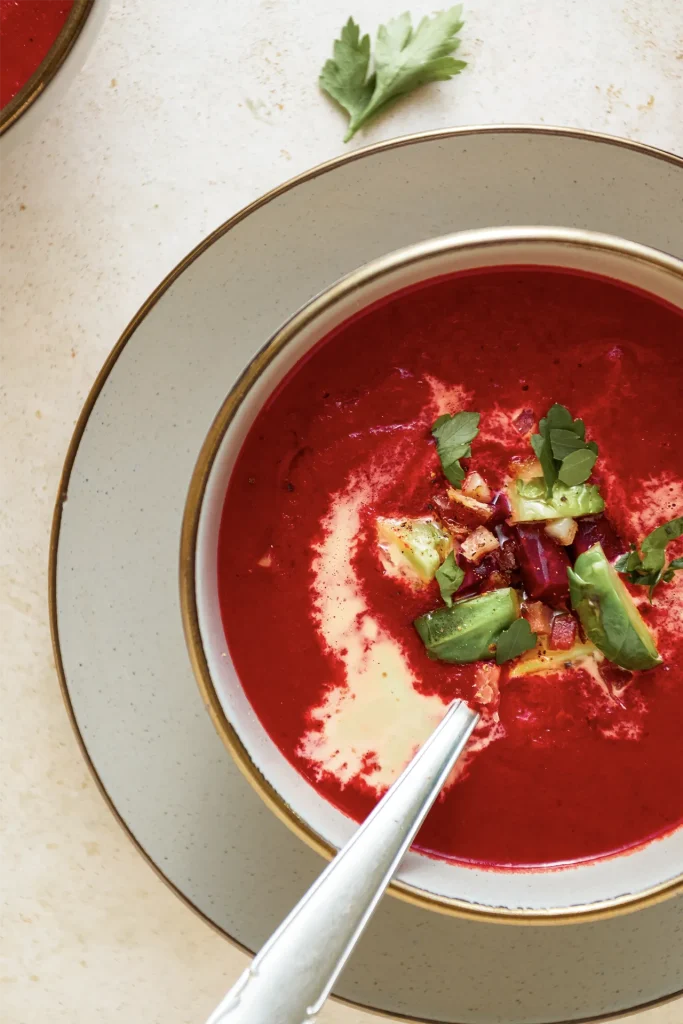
(97,387)
(474,240)
(48,67)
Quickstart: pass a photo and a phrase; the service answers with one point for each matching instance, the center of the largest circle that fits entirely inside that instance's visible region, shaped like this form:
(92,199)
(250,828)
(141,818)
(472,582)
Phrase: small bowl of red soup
(36,39)
(459,474)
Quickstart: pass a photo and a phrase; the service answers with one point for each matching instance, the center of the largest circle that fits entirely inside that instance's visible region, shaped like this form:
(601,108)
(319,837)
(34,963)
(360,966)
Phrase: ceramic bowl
(650,871)
(41,93)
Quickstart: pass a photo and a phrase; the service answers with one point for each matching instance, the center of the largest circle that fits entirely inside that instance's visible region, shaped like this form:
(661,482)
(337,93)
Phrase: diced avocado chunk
(420,544)
(608,613)
(543,660)
(529,502)
(466,631)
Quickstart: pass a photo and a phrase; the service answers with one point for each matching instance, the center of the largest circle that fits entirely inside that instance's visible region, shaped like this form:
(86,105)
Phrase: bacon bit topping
(486,677)
(480,543)
(539,617)
(562,531)
(468,511)
(474,486)
(563,636)
(495,581)
(441,506)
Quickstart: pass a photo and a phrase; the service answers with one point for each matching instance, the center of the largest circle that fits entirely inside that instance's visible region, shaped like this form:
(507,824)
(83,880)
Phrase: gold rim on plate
(107,368)
(48,67)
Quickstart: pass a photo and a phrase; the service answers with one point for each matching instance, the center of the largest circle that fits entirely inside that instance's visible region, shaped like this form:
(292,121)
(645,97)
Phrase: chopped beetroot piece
(563,635)
(471,577)
(501,509)
(539,617)
(475,574)
(543,564)
(525,421)
(597,530)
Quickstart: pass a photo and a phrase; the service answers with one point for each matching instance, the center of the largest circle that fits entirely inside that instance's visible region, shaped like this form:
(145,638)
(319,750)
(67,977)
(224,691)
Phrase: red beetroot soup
(28,29)
(573,764)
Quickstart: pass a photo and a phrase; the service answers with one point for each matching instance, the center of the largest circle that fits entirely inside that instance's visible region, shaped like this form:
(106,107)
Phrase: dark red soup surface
(28,28)
(577,764)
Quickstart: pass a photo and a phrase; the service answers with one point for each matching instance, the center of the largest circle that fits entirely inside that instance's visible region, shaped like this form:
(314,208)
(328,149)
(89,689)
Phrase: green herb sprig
(514,641)
(404,59)
(453,435)
(449,576)
(648,567)
(562,449)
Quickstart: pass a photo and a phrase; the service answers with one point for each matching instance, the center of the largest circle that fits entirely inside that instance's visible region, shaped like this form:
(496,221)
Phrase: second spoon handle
(291,977)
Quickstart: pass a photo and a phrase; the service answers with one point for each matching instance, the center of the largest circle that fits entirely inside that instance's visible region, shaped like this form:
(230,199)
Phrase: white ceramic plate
(115,605)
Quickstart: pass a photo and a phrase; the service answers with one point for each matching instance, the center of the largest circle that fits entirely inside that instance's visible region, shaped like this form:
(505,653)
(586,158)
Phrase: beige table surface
(184,112)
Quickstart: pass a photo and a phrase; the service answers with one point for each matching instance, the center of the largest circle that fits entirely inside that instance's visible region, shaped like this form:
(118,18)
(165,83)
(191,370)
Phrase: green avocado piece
(608,613)
(420,543)
(465,631)
(530,504)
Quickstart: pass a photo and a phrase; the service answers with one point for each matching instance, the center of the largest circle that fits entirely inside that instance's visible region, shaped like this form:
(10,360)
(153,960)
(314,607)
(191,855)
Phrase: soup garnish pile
(474,489)
(515,551)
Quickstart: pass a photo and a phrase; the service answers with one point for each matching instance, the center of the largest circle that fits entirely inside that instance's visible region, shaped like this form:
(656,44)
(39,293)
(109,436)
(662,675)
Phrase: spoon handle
(291,977)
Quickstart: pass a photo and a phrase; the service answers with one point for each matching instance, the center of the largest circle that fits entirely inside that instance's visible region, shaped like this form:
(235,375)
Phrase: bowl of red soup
(459,473)
(43,45)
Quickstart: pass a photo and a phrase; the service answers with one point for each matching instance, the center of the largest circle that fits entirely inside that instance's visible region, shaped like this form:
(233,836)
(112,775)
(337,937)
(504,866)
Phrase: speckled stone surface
(172,126)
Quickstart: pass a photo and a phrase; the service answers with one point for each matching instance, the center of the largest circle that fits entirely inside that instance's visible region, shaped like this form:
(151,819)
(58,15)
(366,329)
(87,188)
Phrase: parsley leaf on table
(345,76)
(404,59)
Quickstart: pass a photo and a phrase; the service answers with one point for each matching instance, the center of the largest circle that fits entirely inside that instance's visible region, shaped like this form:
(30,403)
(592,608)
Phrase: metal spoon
(290,979)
